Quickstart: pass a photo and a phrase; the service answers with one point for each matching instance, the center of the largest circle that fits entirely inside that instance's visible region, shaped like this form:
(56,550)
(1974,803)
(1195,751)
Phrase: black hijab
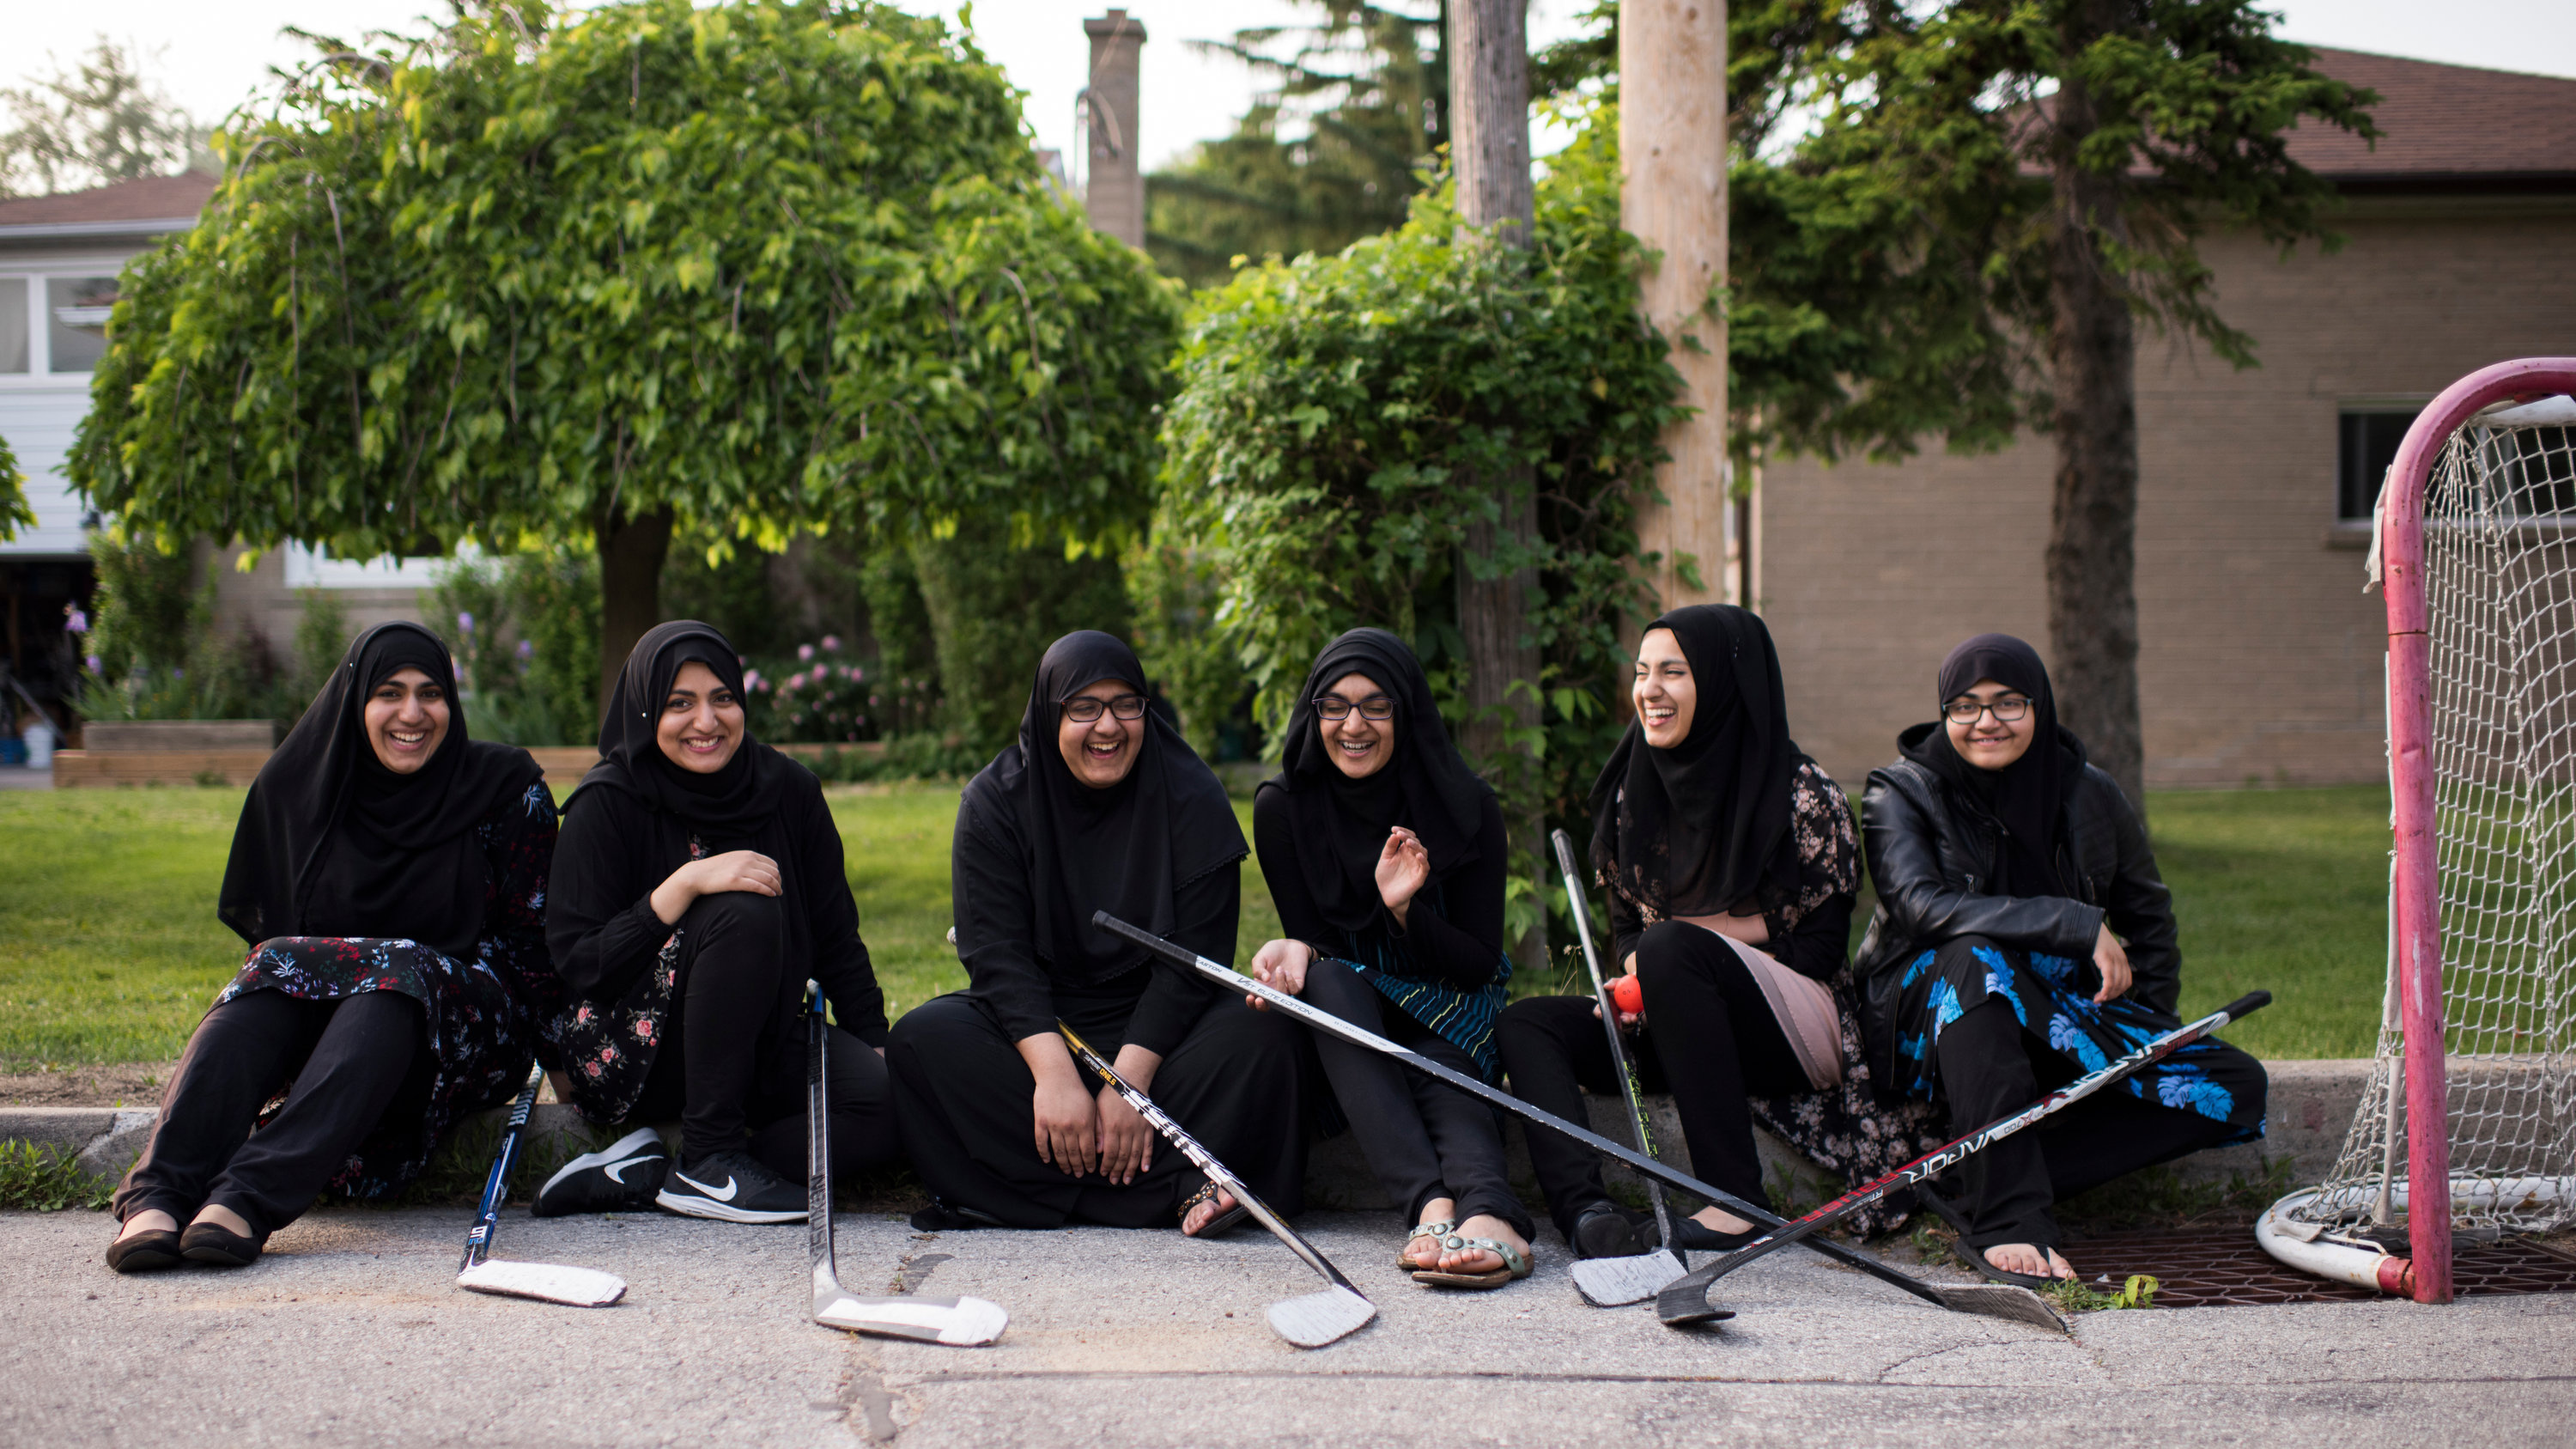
(1126,850)
(728,808)
(1700,828)
(2028,795)
(1341,823)
(331,843)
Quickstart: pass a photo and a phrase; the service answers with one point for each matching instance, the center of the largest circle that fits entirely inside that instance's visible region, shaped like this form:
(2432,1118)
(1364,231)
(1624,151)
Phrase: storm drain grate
(2223,1267)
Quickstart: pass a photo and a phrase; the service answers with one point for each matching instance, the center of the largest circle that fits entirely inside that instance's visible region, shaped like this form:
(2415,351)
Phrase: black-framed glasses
(1376,707)
(1085,708)
(2011,709)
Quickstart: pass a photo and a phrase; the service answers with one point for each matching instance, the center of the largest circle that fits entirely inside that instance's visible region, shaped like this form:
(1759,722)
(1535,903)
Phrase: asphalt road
(351,1331)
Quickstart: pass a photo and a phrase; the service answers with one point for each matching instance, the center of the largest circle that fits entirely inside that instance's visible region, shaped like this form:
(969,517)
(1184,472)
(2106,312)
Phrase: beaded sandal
(1516,1265)
(1440,1229)
(1217,1226)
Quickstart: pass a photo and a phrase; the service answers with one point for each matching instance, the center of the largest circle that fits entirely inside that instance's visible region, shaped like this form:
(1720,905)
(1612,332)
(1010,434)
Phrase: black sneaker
(620,1179)
(733,1186)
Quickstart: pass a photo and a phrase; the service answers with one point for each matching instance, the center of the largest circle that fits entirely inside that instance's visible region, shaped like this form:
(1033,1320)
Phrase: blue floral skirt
(2048,995)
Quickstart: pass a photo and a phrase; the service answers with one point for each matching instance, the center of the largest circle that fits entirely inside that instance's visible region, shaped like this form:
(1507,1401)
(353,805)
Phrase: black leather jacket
(1930,850)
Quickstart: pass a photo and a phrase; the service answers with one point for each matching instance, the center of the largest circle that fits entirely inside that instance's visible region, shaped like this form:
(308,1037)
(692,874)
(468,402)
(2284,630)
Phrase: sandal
(1217,1226)
(1440,1229)
(1516,1264)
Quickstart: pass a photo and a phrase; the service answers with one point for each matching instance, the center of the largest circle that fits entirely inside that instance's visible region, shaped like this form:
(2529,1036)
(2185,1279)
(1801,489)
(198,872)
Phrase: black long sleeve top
(615,851)
(1810,929)
(1005,975)
(1453,930)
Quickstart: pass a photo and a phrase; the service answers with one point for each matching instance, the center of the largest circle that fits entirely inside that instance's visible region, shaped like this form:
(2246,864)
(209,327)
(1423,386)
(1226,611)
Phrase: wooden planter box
(166,752)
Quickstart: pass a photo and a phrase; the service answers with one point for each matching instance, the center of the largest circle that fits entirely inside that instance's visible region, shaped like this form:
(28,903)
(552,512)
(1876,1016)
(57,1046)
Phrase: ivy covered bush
(1333,410)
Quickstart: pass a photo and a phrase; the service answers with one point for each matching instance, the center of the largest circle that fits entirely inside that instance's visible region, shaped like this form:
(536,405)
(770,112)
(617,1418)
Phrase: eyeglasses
(1085,708)
(1377,707)
(2011,709)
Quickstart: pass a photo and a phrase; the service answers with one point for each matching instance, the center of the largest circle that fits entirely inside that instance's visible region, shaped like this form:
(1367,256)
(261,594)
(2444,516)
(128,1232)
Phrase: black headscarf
(1341,823)
(1125,850)
(331,843)
(2028,795)
(1700,828)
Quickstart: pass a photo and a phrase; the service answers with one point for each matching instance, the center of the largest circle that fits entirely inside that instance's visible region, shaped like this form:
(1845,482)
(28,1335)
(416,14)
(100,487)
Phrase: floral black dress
(484,1018)
(608,1049)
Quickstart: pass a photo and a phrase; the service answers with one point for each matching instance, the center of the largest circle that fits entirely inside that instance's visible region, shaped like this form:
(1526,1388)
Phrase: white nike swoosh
(617,1170)
(724,1196)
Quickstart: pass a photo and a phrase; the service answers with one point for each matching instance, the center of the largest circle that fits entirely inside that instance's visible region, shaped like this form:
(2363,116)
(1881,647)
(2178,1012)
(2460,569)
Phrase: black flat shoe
(1604,1231)
(219,1247)
(1695,1236)
(144,1252)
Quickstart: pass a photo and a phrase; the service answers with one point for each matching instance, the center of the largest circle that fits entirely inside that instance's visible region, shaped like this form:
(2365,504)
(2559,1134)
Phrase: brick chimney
(1114,191)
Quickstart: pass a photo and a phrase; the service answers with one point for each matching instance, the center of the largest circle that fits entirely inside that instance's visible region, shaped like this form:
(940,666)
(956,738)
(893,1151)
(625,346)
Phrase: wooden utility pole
(1489,151)
(1672,196)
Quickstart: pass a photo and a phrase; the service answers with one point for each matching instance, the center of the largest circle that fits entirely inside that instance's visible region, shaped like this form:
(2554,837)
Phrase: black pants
(732,1068)
(349,1060)
(1709,1036)
(965,1100)
(1423,1139)
(1991,1065)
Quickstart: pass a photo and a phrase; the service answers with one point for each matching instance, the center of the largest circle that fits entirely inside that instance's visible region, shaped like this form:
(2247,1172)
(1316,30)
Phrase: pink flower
(832,642)
(804,651)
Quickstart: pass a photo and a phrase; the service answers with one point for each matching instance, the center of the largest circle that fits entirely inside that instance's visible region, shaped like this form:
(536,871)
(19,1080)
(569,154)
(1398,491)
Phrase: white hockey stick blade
(1320,1318)
(956,1322)
(1618,1282)
(2007,1301)
(545,1282)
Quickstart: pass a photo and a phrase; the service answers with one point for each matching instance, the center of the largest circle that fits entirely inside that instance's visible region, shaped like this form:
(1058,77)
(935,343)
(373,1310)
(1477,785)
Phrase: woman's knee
(1960,952)
(1337,987)
(746,913)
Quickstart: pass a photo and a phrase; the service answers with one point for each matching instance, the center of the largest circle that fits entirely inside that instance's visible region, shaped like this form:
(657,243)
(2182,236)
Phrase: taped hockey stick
(957,1322)
(1310,1321)
(1686,1299)
(545,1282)
(1614,1282)
(1992,1300)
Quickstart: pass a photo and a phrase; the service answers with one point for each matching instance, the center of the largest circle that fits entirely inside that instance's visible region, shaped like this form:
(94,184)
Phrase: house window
(13,324)
(76,311)
(2367,440)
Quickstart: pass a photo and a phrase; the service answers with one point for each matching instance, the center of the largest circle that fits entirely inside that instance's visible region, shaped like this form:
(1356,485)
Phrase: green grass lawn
(109,947)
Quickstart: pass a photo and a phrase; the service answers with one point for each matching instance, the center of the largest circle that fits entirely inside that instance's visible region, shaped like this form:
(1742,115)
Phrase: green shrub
(994,604)
(47,1180)
(525,629)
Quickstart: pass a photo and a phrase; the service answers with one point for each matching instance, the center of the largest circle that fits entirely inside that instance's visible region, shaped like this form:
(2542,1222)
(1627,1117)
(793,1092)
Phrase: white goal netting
(2500,594)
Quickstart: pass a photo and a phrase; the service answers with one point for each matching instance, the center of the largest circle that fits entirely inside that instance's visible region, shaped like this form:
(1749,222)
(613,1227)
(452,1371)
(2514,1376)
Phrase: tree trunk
(1489,148)
(2092,526)
(631,551)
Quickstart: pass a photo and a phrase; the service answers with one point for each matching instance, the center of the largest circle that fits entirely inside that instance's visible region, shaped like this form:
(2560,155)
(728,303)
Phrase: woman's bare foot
(1200,1215)
(1422,1251)
(150,1220)
(1481,1260)
(222,1217)
(2026,1259)
(1720,1222)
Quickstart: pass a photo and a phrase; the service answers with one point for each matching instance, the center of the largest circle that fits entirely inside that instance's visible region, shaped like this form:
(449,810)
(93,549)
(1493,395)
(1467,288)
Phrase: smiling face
(1358,746)
(1987,742)
(1665,693)
(1100,752)
(405,718)
(701,721)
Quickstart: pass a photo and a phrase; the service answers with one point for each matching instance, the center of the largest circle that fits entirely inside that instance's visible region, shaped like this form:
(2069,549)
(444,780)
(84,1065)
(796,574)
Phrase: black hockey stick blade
(543,1282)
(956,1322)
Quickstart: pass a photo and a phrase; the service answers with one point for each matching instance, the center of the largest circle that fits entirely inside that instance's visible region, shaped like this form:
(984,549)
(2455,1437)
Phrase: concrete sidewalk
(352,1331)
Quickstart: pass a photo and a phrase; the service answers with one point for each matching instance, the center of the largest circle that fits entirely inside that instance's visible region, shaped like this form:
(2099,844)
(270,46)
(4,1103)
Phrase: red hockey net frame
(2426,668)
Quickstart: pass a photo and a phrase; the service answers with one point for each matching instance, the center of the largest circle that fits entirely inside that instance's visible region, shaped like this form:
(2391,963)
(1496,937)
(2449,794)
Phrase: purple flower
(96,665)
(804,651)
(464,622)
(832,642)
(527,648)
(75,621)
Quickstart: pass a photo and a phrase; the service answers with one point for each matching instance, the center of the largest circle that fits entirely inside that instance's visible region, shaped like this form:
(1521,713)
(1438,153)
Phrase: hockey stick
(1993,1300)
(1613,1282)
(1686,1299)
(957,1322)
(1311,1321)
(545,1282)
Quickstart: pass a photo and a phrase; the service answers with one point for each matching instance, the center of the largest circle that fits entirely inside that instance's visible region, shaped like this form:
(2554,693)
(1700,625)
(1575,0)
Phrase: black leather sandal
(1215,1227)
(149,1251)
(220,1247)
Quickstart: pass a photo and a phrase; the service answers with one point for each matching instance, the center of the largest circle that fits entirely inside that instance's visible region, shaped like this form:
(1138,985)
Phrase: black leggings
(1991,1065)
(1710,1036)
(1423,1138)
(349,1060)
(733,1062)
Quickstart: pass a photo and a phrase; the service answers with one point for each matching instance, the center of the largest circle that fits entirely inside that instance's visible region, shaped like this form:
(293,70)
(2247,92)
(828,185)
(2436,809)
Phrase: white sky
(212,55)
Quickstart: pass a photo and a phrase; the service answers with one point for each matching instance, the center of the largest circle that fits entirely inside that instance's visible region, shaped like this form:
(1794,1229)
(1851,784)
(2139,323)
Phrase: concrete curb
(2311,1106)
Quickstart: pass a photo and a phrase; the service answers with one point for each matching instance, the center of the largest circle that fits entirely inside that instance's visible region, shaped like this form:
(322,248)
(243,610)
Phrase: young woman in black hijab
(699,887)
(389,874)
(1731,867)
(1100,805)
(1386,857)
(2022,939)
